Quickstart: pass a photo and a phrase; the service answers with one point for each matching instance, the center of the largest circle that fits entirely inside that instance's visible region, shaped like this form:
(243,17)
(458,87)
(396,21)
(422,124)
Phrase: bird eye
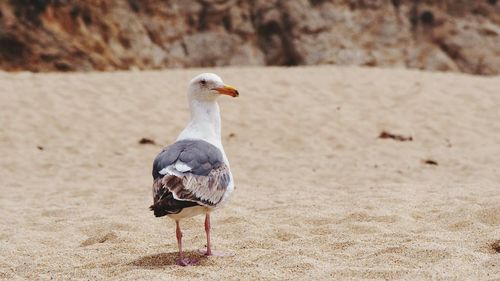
(203,82)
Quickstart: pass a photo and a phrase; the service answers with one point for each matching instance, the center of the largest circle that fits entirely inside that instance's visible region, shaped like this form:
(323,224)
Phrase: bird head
(209,86)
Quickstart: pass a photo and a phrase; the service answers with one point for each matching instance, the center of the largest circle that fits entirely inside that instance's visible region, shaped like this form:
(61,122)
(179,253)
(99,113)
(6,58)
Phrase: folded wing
(188,173)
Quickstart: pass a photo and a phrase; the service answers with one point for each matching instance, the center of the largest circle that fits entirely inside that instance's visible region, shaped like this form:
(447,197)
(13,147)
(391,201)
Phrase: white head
(209,86)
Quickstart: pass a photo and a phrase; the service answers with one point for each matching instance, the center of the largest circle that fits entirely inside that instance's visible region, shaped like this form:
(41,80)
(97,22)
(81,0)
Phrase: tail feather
(160,211)
(169,205)
(164,201)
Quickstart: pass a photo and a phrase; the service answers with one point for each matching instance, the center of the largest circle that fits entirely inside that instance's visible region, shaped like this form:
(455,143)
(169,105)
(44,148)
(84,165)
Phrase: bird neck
(204,123)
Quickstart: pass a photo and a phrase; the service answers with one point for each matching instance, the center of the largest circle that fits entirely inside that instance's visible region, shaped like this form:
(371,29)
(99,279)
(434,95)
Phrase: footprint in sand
(490,216)
(286,235)
(495,246)
(100,238)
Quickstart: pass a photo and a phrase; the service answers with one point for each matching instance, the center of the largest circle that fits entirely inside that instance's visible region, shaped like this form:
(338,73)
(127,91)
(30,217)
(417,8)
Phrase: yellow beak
(228,90)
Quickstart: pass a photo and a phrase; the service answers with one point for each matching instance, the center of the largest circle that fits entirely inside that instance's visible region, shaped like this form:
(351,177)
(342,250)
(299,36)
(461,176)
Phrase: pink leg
(182,260)
(208,251)
(207,230)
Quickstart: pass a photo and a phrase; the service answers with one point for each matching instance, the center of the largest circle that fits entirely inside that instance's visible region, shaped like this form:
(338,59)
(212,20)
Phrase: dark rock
(146,141)
(431,162)
(386,135)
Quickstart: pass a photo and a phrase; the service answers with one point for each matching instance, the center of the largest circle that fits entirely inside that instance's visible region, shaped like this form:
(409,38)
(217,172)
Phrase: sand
(319,196)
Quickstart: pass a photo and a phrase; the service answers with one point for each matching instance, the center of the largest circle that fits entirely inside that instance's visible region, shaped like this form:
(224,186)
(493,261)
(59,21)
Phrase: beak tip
(228,90)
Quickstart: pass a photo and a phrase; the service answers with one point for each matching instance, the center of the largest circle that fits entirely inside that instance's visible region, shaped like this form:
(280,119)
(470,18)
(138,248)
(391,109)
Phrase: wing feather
(164,201)
(205,190)
(188,173)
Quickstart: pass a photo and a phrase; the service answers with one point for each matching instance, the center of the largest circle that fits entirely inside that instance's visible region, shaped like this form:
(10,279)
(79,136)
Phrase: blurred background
(104,35)
(342,173)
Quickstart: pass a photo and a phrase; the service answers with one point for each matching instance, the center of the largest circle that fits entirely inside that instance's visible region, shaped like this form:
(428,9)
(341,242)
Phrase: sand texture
(319,196)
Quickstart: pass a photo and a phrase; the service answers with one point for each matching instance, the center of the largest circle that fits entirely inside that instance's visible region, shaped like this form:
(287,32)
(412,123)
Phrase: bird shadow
(166,259)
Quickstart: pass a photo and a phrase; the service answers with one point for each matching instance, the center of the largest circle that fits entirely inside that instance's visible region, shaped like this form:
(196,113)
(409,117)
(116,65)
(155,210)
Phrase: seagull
(192,175)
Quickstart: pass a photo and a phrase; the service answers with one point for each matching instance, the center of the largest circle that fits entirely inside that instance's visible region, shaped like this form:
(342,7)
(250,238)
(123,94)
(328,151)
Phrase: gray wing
(199,155)
(190,171)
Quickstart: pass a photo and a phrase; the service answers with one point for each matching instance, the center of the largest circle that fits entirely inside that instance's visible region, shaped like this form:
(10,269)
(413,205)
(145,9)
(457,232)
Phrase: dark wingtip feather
(157,211)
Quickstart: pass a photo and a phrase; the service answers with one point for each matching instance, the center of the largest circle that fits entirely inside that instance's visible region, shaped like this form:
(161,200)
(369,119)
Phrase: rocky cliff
(68,35)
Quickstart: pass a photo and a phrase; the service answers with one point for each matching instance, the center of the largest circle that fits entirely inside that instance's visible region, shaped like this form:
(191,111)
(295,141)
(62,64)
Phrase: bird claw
(186,261)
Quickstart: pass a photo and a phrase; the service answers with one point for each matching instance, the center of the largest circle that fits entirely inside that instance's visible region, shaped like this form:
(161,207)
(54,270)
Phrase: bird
(192,176)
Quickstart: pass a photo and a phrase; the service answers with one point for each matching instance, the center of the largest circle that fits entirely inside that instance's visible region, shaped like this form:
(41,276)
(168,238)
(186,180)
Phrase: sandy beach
(319,195)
